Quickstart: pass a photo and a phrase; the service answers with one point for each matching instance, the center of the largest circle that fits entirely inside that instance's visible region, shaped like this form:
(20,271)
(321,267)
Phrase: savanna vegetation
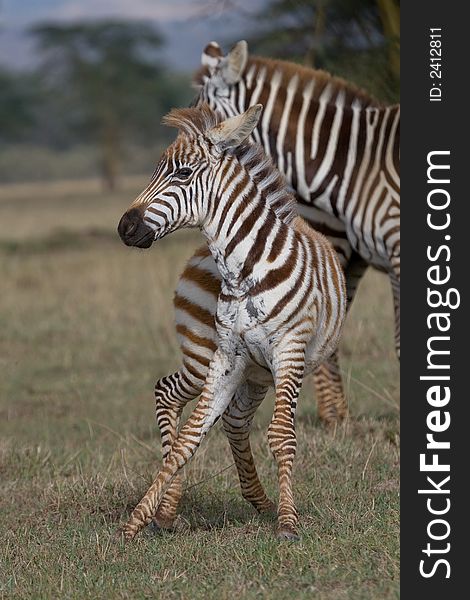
(86,327)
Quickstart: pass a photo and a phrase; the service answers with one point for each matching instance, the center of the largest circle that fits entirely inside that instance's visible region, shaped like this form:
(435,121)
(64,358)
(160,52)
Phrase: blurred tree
(109,81)
(389,11)
(355,39)
(18,99)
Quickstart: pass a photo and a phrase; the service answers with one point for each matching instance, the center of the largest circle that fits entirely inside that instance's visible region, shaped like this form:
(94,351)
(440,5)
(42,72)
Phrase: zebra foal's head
(184,185)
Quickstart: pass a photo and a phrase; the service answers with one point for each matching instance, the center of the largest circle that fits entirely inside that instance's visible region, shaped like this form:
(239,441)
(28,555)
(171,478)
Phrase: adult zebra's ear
(234,131)
(211,56)
(233,65)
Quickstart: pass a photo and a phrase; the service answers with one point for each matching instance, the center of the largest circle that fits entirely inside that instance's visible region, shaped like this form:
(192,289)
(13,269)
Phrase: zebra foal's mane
(195,122)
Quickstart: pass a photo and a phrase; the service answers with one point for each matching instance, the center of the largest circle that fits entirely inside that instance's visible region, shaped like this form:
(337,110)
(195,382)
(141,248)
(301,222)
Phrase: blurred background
(84,84)
(86,324)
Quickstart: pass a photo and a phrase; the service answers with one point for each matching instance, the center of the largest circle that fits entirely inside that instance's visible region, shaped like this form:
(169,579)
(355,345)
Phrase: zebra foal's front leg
(222,380)
(283,442)
(172,393)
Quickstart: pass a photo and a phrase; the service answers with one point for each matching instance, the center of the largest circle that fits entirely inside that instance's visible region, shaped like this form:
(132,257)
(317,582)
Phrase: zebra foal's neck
(246,227)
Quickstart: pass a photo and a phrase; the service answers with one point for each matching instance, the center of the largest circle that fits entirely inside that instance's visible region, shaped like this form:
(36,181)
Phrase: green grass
(86,327)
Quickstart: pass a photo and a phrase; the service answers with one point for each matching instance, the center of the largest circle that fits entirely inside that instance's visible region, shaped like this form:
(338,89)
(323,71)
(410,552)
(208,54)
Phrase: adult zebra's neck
(318,129)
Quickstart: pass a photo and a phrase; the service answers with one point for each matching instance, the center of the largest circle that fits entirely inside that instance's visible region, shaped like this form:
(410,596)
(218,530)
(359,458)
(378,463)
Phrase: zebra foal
(282,301)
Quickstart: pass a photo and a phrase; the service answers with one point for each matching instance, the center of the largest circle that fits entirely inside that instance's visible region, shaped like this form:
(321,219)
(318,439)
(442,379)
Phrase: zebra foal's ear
(234,131)
(233,65)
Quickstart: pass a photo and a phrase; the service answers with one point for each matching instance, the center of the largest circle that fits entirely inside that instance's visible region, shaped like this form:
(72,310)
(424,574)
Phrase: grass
(32,162)
(86,328)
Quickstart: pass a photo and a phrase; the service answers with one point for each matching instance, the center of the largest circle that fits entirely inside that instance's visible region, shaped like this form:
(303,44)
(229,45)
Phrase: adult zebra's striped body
(338,149)
(282,301)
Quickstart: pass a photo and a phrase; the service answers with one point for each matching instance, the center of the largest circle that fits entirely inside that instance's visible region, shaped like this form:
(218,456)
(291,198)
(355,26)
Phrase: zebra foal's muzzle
(133,231)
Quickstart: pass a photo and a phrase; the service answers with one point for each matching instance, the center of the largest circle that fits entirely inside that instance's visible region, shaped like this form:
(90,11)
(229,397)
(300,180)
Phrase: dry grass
(85,330)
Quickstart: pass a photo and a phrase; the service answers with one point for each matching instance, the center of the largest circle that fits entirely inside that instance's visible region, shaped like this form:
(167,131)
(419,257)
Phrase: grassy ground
(85,328)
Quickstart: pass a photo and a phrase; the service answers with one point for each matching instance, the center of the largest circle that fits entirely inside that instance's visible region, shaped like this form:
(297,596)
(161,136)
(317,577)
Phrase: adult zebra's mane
(321,79)
(288,70)
(194,122)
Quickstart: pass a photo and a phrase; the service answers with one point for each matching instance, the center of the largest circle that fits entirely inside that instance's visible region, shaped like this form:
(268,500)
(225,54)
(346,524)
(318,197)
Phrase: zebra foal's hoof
(268,509)
(287,534)
(160,525)
(122,536)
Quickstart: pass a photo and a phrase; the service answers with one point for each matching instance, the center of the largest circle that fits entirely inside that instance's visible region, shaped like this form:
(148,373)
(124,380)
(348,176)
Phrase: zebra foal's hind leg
(172,393)
(237,420)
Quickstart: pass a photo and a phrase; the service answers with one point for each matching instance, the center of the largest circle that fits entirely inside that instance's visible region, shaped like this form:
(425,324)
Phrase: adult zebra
(282,302)
(337,147)
(339,150)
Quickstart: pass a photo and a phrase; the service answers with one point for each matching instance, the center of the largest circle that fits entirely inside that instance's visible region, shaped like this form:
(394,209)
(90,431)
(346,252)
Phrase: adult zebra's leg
(172,393)
(283,443)
(395,281)
(331,400)
(237,421)
(224,376)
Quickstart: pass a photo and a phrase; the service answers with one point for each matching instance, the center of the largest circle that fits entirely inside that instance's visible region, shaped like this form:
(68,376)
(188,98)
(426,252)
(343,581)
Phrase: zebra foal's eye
(183,173)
